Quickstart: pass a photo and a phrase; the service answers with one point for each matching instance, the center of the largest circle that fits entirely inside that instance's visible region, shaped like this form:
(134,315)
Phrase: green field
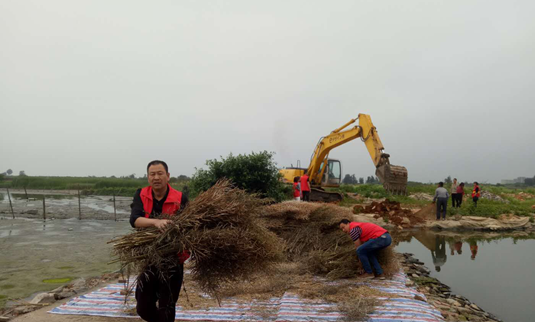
(485,207)
(87,185)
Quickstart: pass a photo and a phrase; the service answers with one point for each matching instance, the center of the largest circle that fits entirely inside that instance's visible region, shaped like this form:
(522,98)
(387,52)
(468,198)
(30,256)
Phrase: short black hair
(441,184)
(296,179)
(155,162)
(476,182)
(344,221)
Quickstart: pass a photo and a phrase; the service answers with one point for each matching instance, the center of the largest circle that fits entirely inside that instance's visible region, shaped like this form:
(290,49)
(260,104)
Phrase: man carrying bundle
(156,199)
(369,239)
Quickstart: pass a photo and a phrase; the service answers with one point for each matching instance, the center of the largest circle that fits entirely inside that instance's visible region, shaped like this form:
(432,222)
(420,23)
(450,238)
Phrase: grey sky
(103,87)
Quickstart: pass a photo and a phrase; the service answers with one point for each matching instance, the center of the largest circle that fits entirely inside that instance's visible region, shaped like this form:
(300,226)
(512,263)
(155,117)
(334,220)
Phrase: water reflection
(456,245)
(439,254)
(492,269)
(436,243)
(473,249)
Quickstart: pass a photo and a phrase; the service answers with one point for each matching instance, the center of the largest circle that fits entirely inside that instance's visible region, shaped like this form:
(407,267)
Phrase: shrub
(255,173)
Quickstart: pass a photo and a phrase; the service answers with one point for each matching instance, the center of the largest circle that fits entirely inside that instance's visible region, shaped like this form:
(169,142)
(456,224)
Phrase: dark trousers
(367,253)
(442,204)
(453,199)
(306,195)
(459,200)
(475,199)
(151,289)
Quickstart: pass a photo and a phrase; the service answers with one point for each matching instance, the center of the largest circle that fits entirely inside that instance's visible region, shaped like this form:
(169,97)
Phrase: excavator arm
(394,178)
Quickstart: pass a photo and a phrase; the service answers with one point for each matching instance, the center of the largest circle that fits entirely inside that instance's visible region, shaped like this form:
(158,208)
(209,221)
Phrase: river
(33,252)
(495,271)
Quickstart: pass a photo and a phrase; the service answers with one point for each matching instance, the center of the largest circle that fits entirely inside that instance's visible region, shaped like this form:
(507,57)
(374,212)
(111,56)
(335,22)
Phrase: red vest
(304,183)
(476,194)
(297,193)
(369,230)
(170,205)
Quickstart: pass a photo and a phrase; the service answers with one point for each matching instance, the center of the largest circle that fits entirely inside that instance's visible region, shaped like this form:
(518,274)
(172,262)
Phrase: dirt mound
(521,196)
(390,211)
(491,196)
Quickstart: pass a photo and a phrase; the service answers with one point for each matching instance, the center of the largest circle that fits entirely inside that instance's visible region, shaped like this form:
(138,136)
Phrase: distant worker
(305,187)
(369,239)
(297,189)
(454,192)
(460,194)
(442,196)
(476,193)
(156,199)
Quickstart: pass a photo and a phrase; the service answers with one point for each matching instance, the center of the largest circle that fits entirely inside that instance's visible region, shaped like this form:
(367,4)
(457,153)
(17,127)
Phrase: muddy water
(32,251)
(494,271)
(64,206)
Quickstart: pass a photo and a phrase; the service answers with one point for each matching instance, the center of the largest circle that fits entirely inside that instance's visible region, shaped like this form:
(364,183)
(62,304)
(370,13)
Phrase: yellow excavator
(325,172)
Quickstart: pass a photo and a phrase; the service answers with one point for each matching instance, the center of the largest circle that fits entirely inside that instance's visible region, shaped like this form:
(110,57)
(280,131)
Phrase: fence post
(114,206)
(79,205)
(26,193)
(10,204)
(44,209)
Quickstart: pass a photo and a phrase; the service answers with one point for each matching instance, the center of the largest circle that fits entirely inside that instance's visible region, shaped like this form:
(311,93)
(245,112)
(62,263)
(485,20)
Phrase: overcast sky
(103,87)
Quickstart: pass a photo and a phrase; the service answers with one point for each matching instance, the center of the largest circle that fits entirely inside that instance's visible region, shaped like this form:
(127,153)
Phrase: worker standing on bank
(460,194)
(156,199)
(305,187)
(441,199)
(297,189)
(454,192)
(476,193)
(369,239)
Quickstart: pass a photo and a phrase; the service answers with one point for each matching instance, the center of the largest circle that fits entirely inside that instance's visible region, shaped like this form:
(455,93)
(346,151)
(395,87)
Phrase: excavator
(324,172)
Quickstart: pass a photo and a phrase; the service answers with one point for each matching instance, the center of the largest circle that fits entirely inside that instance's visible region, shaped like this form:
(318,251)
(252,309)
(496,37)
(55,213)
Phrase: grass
(57,280)
(485,207)
(88,185)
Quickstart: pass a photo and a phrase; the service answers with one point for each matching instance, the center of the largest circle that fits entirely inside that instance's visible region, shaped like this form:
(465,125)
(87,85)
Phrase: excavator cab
(332,176)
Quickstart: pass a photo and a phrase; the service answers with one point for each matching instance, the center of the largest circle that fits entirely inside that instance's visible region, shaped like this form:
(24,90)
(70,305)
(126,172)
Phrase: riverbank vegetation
(255,173)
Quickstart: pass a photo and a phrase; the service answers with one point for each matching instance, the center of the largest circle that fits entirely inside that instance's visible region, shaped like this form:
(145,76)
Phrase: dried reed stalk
(222,230)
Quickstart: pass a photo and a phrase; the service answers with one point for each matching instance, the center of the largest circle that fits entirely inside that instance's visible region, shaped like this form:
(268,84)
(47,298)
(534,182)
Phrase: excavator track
(320,195)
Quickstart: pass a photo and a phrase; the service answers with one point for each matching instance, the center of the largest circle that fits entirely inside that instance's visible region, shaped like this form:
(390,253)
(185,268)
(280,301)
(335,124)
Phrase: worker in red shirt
(156,297)
(297,189)
(476,193)
(305,187)
(369,239)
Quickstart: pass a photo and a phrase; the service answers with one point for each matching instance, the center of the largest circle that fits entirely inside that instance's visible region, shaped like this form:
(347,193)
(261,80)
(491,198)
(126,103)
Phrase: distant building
(517,180)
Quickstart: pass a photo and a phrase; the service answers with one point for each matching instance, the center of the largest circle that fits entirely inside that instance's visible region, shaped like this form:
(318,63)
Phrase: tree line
(352,179)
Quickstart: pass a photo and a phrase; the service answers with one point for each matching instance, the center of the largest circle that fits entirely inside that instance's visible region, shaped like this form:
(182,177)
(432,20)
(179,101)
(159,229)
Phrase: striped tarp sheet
(402,306)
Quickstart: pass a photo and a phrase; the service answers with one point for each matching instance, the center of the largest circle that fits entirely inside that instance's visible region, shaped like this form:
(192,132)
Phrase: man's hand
(161,224)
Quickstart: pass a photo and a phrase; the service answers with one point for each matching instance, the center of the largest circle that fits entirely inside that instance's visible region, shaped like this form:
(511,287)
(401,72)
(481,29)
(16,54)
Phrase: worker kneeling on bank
(369,239)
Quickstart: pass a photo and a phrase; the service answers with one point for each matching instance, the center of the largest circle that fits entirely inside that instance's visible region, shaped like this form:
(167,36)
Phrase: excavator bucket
(393,177)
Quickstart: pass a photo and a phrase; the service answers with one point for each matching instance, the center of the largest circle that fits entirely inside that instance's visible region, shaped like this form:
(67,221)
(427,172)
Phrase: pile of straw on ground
(314,239)
(222,230)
